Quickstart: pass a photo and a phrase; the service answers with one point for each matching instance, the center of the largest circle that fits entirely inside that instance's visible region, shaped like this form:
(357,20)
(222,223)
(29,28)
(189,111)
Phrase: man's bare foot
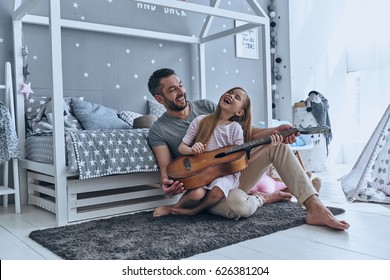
(183,211)
(269,198)
(162,211)
(319,215)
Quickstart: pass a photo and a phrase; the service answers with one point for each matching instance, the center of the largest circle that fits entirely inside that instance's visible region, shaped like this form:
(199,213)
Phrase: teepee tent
(369,179)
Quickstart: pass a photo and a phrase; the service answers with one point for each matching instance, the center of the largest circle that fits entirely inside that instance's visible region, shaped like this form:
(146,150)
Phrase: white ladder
(5,188)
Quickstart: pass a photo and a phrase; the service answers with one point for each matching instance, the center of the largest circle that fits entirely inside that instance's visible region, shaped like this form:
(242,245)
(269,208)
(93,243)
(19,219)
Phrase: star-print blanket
(108,152)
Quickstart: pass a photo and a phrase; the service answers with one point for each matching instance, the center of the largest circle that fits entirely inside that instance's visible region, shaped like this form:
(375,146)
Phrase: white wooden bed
(50,186)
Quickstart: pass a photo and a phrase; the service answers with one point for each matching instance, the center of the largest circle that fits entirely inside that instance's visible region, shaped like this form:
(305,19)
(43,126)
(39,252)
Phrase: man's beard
(172,105)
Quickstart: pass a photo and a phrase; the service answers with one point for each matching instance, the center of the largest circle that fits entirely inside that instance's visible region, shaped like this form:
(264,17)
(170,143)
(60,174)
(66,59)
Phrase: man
(167,132)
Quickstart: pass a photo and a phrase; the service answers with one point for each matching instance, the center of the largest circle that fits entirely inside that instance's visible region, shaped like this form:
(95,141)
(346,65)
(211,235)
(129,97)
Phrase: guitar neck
(261,141)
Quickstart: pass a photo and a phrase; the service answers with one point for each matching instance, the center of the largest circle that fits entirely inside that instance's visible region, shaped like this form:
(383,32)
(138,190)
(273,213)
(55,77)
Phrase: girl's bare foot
(162,211)
(269,198)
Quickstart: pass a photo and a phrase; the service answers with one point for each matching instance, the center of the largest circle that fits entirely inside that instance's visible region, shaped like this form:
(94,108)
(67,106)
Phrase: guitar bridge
(187,164)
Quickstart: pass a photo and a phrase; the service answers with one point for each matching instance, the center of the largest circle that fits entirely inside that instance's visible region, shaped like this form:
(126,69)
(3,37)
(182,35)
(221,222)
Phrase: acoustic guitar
(195,171)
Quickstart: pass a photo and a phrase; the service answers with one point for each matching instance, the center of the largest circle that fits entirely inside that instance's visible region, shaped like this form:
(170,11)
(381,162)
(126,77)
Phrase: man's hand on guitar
(288,139)
(171,187)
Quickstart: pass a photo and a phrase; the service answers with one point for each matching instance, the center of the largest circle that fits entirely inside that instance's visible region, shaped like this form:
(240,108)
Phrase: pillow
(69,118)
(38,112)
(34,104)
(69,105)
(95,116)
(155,108)
(128,116)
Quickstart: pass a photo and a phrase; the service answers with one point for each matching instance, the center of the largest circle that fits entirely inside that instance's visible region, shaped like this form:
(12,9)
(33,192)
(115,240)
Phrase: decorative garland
(275,71)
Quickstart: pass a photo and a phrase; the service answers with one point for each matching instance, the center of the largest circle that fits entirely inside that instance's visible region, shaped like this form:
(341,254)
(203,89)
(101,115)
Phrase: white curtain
(368,58)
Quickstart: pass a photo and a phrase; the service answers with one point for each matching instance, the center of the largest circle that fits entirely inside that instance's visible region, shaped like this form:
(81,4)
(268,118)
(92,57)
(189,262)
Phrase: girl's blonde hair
(208,124)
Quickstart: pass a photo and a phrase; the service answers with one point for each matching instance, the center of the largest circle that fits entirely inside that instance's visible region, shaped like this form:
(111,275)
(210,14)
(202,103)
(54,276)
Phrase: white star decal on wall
(135,76)
(127,51)
(77,45)
(86,75)
(117,86)
(75,5)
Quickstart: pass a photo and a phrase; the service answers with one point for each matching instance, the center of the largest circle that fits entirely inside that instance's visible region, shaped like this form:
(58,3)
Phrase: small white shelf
(6,190)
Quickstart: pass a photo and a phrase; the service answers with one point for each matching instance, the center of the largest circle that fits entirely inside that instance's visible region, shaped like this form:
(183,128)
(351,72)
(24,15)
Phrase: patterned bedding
(98,153)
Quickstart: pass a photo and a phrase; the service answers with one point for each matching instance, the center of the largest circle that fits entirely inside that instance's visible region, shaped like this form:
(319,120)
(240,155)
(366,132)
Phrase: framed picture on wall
(247,45)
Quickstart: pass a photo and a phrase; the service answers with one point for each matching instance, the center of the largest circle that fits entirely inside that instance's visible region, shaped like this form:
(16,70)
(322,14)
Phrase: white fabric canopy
(369,179)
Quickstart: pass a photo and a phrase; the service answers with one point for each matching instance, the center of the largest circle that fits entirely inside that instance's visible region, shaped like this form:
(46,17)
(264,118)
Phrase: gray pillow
(155,108)
(95,116)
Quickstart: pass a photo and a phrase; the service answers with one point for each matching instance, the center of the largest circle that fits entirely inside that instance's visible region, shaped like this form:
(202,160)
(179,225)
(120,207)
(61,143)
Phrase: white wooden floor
(367,238)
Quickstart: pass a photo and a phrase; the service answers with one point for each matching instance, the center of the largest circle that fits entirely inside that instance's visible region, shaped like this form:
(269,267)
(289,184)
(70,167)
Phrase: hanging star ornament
(26,72)
(26,90)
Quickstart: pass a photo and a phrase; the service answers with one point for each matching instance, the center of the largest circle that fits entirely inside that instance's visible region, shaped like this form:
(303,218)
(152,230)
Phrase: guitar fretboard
(260,141)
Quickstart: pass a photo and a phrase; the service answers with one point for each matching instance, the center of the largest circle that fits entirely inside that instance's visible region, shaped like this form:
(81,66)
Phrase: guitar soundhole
(187,164)
(220,155)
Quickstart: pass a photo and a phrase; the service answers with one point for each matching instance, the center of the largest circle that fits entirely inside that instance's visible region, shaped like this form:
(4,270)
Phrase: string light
(275,75)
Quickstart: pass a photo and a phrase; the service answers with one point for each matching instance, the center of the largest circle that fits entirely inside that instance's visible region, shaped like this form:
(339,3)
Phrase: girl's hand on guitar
(171,187)
(276,139)
(198,148)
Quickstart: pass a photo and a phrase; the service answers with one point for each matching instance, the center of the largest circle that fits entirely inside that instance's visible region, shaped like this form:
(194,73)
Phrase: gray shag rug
(141,237)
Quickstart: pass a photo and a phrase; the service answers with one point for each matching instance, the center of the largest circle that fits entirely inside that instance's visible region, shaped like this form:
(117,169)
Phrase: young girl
(230,124)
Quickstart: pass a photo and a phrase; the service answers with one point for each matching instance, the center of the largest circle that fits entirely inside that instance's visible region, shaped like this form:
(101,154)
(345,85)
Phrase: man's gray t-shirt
(169,131)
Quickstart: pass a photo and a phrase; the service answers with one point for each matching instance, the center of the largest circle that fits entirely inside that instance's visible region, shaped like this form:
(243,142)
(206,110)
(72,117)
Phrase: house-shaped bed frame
(64,205)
